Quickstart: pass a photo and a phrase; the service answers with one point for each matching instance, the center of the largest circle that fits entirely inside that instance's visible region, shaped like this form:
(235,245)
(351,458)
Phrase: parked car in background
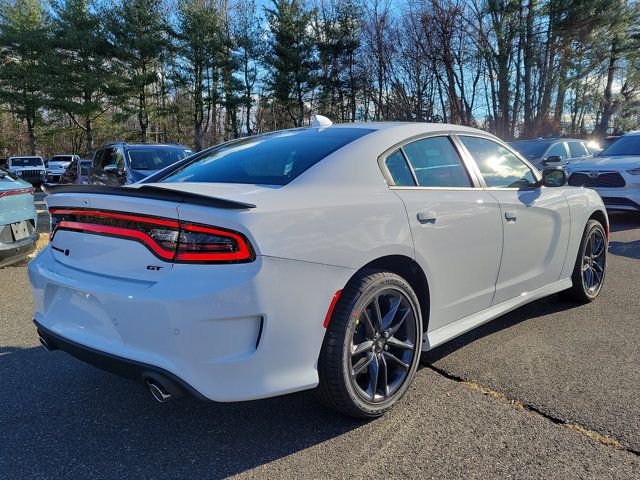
(556,151)
(29,169)
(122,163)
(57,165)
(77,172)
(18,219)
(614,173)
(326,257)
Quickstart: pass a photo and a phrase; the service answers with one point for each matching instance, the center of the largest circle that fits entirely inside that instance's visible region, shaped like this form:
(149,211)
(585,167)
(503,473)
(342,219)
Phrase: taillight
(21,191)
(167,239)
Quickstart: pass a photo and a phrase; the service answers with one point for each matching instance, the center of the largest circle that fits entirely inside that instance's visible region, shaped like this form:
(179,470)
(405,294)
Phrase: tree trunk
(88,126)
(608,107)
(32,134)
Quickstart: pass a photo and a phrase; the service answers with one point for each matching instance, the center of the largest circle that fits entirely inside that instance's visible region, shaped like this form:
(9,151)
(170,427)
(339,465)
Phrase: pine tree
(292,60)
(248,38)
(198,41)
(139,38)
(81,73)
(24,48)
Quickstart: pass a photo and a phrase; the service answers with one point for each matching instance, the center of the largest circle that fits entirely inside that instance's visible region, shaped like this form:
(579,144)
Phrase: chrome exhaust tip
(158,392)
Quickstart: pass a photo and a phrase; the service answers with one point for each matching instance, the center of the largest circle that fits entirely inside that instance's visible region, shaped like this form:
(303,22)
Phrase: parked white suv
(614,173)
(30,169)
(57,165)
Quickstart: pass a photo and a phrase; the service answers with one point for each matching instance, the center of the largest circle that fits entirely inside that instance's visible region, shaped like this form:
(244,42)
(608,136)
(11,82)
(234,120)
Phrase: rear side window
(436,163)
(270,159)
(557,150)
(577,149)
(399,170)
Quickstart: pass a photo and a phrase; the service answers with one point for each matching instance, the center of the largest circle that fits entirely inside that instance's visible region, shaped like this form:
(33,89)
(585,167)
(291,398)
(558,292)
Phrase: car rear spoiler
(149,191)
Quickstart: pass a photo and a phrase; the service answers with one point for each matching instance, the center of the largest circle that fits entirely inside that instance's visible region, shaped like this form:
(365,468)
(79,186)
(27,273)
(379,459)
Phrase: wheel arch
(601,217)
(412,272)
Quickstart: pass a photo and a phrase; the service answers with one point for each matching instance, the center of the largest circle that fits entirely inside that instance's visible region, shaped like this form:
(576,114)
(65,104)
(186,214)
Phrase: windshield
(84,167)
(61,158)
(269,159)
(530,149)
(155,158)
(26,162)
(625,145)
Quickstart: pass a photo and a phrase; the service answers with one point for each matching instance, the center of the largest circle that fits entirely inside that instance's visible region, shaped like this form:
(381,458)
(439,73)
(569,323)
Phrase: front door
(535,219)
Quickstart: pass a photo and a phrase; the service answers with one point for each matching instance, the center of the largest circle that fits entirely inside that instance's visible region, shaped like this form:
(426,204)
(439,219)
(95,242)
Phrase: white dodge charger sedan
(319,258)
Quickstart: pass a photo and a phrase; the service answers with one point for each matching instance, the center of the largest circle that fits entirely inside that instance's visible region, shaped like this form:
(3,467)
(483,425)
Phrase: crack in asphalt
(519,405)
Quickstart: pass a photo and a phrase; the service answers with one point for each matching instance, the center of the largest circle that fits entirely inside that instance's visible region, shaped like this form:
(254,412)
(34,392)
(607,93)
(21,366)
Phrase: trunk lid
(107,253)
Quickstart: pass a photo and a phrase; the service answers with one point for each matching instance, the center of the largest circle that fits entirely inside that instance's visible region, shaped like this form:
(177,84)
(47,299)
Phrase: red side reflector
(334,300)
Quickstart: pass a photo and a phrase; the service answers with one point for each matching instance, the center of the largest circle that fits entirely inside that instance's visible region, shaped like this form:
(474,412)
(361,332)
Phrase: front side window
(399,170)
(270,159)
(499,166)
(557,150)
(436,163)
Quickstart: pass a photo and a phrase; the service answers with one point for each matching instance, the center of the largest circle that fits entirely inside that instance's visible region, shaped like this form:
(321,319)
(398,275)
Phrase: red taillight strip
(243,252)
(136,235)
(22,191)
(119,216)
(332,305)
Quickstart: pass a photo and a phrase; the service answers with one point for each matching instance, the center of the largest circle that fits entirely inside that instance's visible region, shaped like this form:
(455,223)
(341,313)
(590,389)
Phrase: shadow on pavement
(539,308)
(84,422)
(625,249)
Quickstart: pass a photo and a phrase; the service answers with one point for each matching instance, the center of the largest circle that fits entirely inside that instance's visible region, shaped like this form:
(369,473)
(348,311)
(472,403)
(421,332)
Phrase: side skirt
(457,328)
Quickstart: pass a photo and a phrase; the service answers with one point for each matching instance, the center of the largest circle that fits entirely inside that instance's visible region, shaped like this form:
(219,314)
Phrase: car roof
(149,145)
(549,140)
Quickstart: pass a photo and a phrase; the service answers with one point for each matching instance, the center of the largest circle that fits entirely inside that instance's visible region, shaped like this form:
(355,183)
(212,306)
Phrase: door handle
(425,218)
(510,216)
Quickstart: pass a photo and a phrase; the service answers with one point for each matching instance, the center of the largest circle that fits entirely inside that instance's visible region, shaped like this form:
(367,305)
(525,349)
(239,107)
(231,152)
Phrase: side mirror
(111,169)
(552,159)
(554,177)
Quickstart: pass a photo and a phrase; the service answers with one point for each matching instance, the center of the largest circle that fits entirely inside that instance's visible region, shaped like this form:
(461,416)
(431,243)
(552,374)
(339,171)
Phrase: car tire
(390,340)
(589,271)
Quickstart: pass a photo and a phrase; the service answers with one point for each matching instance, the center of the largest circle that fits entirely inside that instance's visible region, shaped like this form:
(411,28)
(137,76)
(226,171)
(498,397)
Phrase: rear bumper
(124,367)
(16,251)
(221,332)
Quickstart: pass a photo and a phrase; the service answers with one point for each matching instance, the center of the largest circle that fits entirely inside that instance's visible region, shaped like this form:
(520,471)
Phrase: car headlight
(634,171)
(19,173)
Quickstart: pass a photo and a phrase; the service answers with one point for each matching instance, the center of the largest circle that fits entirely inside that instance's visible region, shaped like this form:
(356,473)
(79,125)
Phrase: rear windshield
(625,145)
(152,158)
(530,149)
(269,159)
(26,162)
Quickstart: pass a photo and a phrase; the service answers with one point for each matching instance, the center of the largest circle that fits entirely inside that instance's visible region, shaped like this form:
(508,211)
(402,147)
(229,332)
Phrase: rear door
(455,225)
(535,219)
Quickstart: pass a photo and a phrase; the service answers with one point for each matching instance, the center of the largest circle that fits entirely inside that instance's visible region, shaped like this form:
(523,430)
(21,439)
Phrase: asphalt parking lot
(548,391)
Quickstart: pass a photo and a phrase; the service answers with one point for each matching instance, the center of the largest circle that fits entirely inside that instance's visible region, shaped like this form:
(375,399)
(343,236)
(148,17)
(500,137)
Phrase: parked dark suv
(121,163)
